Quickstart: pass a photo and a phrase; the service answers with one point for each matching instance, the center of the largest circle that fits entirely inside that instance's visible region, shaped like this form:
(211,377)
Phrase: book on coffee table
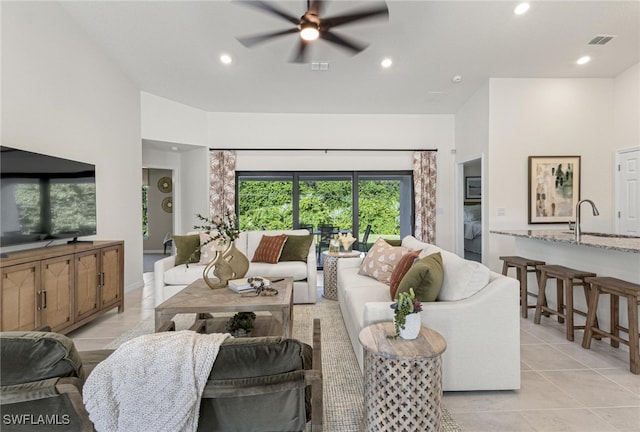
(243,285)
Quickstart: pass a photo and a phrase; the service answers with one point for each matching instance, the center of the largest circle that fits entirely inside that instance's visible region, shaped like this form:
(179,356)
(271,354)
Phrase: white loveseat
(482,328)
(169,279)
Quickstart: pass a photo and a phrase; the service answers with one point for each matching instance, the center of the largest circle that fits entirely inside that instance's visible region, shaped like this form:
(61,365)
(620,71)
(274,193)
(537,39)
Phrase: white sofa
(482,329)
(169,279)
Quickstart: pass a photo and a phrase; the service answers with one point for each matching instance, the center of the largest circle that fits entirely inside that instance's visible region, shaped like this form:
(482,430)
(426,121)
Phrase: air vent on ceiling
(601,39)
(320,66)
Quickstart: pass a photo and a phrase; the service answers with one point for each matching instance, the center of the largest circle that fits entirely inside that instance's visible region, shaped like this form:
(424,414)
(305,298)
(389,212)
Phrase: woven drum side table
(330,272)
(402,380)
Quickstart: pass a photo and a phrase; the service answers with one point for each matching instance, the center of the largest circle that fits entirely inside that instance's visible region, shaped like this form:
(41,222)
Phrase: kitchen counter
(604,254)
(615,242)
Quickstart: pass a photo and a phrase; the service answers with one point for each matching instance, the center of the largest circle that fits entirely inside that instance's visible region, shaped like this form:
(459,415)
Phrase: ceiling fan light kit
(311,26)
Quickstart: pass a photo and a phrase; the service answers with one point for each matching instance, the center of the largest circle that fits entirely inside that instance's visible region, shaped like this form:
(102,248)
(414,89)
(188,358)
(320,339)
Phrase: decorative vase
(221,270)
(237,260)
(334,246)
(412,326)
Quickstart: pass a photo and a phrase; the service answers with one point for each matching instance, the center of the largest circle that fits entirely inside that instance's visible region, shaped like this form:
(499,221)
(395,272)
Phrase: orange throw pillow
(400,270)
(269,249)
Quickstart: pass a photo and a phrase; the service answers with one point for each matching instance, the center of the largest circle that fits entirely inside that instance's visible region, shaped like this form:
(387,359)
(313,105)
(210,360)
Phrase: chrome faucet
(595,213)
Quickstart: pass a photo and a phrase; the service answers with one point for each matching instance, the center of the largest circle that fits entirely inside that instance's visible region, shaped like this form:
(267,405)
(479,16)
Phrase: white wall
(626,108)
(169,121)
(62,96)
(541,117)
(308,131)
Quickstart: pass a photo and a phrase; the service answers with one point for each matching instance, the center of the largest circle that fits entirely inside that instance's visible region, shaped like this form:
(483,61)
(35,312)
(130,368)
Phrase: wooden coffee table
(200,299)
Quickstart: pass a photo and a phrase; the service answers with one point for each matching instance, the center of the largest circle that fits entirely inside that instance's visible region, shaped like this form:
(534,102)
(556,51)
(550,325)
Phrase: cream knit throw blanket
(152,383)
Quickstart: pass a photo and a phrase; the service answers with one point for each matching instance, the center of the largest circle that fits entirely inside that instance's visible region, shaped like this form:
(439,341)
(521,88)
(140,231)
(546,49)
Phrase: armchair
(256,384)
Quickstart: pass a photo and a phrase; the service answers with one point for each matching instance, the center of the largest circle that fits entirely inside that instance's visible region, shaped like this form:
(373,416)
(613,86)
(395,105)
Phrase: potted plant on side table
(406,315)
(241,324)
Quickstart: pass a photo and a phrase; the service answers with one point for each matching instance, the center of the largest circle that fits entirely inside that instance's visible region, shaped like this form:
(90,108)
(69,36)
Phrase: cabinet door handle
(99,279)
(44,299)
(39,300)
(102,278)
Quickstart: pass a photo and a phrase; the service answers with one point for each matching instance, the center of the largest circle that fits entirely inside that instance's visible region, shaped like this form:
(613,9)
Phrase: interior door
(628,192)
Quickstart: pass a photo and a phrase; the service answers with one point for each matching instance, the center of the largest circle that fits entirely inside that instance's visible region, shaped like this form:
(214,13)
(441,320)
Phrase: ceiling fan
(312,26)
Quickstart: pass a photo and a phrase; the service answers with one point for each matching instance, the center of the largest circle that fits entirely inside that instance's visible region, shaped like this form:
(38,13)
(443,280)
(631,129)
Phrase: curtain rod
(324,150)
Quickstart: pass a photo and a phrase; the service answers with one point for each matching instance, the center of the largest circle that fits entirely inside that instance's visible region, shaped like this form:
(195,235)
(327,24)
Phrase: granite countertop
(617,242)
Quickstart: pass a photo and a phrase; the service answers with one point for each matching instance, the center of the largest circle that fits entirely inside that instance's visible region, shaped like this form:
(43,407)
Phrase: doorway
(157,214)
(470,203)
(628,191)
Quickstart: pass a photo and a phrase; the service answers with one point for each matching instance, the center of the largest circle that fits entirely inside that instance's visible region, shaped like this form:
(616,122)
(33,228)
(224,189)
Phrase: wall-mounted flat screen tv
(45,198)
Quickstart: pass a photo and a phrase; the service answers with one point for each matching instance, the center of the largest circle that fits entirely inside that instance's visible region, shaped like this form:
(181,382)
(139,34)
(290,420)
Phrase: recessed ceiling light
(386,62)
(225,58)
(456,79)
(521,8)
(174,148)
(583,60)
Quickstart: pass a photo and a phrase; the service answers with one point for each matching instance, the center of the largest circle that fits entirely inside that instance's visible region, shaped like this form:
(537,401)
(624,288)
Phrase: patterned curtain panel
(222,182)
(424,189)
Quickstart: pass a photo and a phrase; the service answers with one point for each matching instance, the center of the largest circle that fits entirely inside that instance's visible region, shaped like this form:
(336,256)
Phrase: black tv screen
(44,198)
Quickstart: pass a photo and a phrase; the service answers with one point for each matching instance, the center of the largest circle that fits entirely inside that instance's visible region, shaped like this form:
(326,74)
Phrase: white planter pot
(411,327)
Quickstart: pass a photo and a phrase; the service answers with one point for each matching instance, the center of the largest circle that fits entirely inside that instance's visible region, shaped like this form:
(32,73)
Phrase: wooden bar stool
(566,280)
(616,288)
(523,266)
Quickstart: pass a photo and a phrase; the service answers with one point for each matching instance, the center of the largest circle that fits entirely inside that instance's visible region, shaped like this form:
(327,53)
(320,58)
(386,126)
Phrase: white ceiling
(172,48)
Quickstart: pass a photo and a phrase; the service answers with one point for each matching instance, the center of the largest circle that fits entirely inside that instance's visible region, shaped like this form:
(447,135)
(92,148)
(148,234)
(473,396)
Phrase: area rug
(343,391)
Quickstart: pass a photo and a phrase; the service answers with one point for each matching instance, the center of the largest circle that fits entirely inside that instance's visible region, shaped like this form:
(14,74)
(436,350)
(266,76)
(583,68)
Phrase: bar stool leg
(542,297)
(634,348)
(560,299)
(615,319)
(591,317)
(505,268)
(569,309)
(524,301)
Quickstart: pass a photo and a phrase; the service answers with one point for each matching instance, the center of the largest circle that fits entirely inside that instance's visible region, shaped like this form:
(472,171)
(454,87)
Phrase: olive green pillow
(185,247)
(425,277)
(296,248)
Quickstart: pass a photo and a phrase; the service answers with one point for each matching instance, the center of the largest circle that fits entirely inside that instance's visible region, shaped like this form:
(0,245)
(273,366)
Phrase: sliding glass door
(348,201)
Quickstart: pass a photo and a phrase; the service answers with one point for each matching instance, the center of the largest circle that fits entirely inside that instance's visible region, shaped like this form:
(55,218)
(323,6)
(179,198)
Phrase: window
(347,200)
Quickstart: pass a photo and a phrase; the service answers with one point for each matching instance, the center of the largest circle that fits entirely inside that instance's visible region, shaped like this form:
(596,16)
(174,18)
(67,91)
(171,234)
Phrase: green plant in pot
(404,306)
(241,324)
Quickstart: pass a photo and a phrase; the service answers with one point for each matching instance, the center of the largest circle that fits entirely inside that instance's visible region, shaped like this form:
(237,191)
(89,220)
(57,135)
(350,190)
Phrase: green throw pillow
(185,248)
(296,248)
(425,277)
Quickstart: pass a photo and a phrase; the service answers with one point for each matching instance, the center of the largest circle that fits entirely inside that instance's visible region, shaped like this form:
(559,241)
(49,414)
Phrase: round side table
(402,380)
(330,272)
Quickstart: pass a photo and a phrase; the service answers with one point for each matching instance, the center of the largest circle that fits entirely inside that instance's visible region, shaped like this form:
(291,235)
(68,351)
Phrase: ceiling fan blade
(250,41)
(267,7)
(380,11)
(301,53)
(350,44)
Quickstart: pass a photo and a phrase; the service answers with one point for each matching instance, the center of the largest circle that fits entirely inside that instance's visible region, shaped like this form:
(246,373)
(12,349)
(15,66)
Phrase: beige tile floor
(564,387)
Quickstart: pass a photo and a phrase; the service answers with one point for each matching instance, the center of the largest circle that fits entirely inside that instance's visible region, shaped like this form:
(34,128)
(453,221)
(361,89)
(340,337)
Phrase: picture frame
(473,188)
(554,188)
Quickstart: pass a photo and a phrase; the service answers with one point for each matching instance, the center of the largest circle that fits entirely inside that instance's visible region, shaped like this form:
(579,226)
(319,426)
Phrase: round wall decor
(164,184)
(167,204)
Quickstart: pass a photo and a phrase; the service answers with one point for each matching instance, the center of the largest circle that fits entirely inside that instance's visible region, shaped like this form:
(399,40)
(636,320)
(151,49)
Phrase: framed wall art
(473,188)
(554,188)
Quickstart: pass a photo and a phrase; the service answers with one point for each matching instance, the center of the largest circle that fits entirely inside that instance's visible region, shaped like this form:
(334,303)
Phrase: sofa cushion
(269,249)
(462,278)
(249,240)
(183,275)
(187,248)
(295,269)
(381,260)
(425,277)
(400,270)
(413,243)
(296,248)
